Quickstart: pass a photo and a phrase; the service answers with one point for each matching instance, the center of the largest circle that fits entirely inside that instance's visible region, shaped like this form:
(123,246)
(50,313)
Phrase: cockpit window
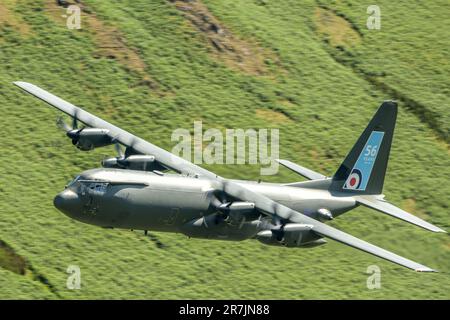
(98,187)
(71,183)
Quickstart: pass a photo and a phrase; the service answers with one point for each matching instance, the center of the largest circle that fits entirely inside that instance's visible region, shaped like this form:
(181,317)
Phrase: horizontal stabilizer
(304,172)
(354,242)
(387,208)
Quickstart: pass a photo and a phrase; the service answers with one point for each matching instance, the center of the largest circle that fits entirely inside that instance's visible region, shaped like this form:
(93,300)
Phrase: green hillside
(310,68)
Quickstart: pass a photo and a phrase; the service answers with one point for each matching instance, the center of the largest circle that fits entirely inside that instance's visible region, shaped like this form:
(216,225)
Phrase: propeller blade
(216,202)
(62,125)
(74,134)
(74,120)
(119,150)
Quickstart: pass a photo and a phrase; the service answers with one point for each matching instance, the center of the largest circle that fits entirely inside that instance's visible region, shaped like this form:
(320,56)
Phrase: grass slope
(164,75)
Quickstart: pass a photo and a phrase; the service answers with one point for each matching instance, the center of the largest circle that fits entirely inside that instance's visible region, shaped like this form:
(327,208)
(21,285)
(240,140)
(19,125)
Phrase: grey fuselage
(128,199)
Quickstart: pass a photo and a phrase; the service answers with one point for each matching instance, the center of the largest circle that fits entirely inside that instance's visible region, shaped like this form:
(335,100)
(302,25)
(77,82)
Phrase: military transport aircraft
(148,188)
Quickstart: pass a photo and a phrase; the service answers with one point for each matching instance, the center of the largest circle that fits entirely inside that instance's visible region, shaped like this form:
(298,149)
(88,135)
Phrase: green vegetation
(152,66)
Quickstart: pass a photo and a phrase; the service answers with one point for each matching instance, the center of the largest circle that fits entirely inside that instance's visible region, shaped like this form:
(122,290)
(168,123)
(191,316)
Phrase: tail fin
(364,168)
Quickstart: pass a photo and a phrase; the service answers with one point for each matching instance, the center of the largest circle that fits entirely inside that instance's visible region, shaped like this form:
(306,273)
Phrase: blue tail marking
(360,174)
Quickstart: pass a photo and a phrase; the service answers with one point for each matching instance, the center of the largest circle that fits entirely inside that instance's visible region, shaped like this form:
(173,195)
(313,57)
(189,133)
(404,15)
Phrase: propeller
(119,151)
(225,205)
(115,160)
(228,207)
(62,125)
(221,204)
(71,131)
(129,158)
(278,231)
(129,151)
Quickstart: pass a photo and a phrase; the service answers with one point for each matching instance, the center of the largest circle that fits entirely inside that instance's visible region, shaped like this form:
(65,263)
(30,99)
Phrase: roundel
(354,179)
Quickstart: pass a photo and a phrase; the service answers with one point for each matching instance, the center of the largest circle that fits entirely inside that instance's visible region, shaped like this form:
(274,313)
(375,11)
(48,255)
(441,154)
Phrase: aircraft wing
(140,145)
(275,209)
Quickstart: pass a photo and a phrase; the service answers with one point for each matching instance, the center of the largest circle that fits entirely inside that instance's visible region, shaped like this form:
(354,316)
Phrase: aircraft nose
(67,202)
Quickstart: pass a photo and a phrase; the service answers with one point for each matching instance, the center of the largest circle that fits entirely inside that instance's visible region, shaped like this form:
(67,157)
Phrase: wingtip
(20,84)
(436,229)
(425,269)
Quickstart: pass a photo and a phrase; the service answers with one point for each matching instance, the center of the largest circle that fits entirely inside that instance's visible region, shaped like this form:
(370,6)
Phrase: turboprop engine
(89,138)
(232,221)
(238,212)
(291,235)
(85,138)
(131,160)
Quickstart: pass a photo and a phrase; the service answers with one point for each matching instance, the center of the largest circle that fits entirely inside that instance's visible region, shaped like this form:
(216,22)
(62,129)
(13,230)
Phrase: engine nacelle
(137,162)
(292,235)
(110,163)
(214,227)
(239,212)
(89,138)
(134,162)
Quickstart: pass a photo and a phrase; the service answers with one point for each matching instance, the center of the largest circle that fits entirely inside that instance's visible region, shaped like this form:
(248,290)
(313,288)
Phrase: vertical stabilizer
(364,168)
